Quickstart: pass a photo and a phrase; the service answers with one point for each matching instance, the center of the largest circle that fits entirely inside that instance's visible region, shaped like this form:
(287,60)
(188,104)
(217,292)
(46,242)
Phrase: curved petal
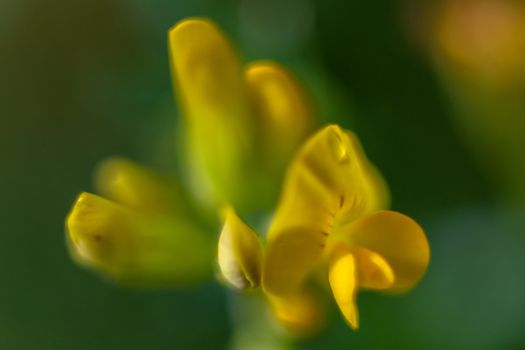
(398,239)
(239,253)
(327,184)
(342,276)
(210,84)
(373,271)
(137,187)
(354,268)
(283,108)
(135,249)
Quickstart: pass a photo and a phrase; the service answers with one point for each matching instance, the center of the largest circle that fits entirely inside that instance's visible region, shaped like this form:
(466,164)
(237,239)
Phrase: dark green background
(82,80)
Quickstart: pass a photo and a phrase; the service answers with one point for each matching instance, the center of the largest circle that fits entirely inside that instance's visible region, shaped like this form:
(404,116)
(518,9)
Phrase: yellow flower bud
(143,235)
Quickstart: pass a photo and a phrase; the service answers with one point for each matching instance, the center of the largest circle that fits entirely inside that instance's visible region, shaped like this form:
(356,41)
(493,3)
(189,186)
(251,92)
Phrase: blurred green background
(85,79)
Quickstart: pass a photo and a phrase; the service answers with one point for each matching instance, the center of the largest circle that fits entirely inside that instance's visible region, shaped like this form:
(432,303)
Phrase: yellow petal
(282,106)
(373,270)
(327,184)
(301,313)
(396,238)
(343,281)
(135,249)
(376,185)
(136,187)
(207,70)
(239,253)
(210,84)
(290,256)
(93,225)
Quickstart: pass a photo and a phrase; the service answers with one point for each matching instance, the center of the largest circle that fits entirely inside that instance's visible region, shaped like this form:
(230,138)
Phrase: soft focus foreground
(435,97)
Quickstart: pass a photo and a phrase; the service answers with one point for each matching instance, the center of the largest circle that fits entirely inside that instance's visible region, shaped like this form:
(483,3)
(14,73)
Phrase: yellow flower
(331,214)
(241,123)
